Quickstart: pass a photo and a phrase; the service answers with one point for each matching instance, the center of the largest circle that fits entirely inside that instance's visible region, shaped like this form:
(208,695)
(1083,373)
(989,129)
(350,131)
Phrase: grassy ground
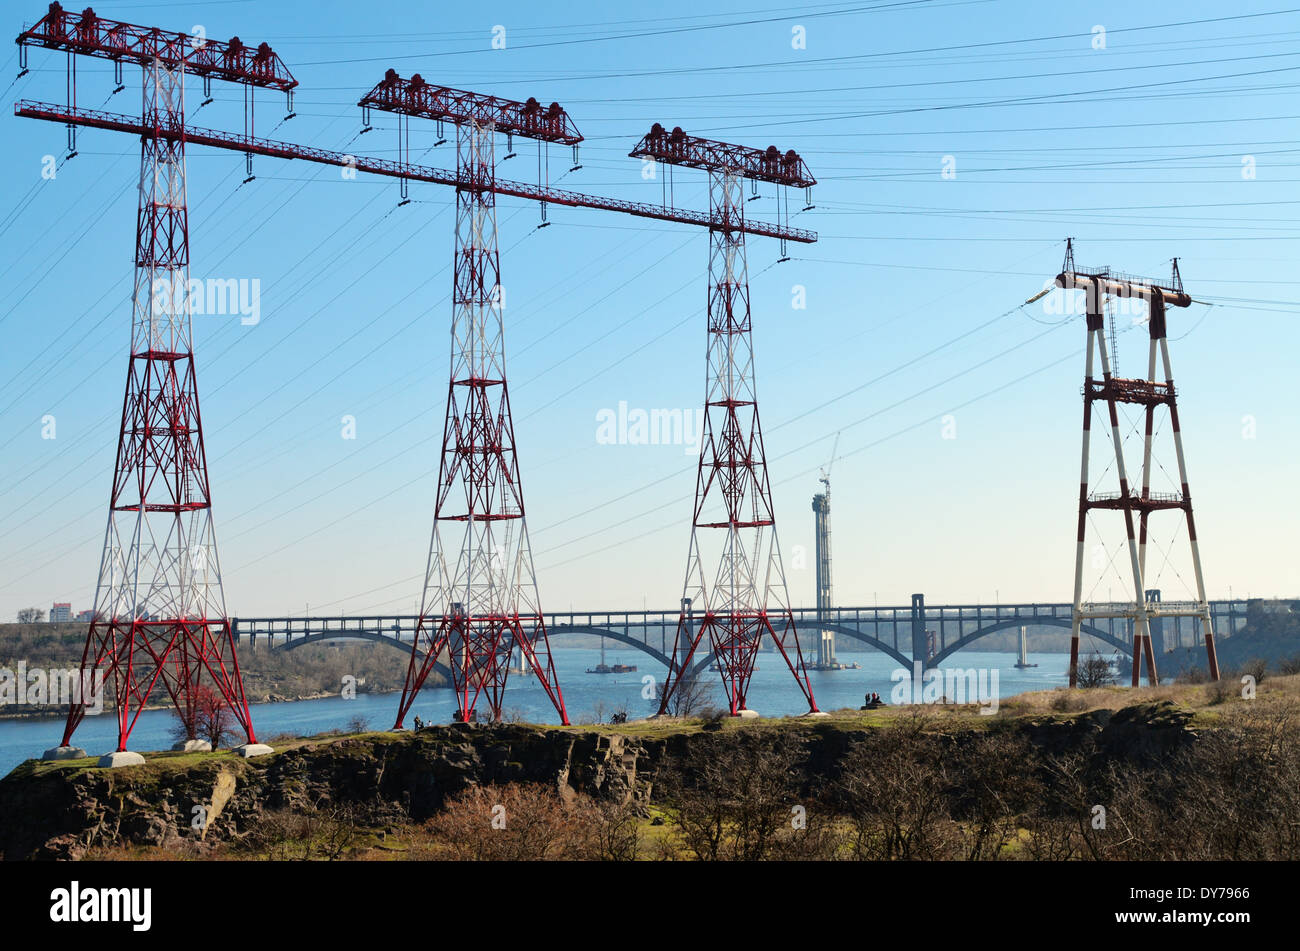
(1209,704)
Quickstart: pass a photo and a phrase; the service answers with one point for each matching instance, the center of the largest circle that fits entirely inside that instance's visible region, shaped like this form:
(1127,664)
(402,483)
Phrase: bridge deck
(893,629)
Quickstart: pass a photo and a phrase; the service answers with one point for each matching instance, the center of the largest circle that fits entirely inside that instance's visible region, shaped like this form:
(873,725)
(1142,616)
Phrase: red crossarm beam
(96,119)
(415,97)
(93,35)
(765,165)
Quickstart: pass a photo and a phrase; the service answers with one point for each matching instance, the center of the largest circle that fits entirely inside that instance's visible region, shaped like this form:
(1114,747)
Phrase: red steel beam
(765,165)
(92,35)
(96,119)
(415,97)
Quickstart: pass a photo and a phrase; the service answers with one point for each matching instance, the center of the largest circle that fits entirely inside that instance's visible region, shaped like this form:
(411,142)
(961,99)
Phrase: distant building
(85,615)
(61,612)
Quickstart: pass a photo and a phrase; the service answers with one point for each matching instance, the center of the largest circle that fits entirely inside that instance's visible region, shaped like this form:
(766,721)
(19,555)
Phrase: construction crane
(742,598)
(478,455)
(821,506)
(1099,284)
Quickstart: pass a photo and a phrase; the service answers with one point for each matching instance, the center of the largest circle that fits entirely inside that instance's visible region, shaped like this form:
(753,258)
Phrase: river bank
(899,782)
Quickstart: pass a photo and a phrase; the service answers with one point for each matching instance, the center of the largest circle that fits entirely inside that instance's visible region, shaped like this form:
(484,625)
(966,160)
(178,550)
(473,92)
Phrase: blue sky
(1176,138)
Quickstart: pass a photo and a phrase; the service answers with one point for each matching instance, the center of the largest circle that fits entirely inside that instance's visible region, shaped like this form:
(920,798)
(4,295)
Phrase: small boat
(612,669)
(616,668)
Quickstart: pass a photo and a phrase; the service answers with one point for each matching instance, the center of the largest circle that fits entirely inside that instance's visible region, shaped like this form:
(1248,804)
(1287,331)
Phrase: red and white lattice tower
(480,603)
(1151,394)
(159,620)
(735,592)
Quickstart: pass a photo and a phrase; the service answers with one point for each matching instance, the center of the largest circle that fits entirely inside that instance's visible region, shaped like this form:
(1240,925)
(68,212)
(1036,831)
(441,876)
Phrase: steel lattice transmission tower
(159,617)
(480,600)
(486,589)
(735,591)
(1137,505)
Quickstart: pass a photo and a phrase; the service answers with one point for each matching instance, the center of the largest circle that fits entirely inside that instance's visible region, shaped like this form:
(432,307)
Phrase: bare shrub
(206,718)
(690,695)
(1067,701)
(1218,691)
(359,724)
(739,798)
(892,791)
(530,822)
(323,832)
(1096,671)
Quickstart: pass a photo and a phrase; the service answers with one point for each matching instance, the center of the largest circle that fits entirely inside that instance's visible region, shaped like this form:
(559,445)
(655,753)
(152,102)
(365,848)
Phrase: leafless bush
(739,798)
(1096,671)
(1256,667)
(892,789)
(530,822)
(1289,665)
(327,832)
(1067,701)
(690,695)
(1218,691)
(206,718)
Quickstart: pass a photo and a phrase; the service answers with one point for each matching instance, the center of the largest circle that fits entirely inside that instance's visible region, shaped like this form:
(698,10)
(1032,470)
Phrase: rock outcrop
(60,810)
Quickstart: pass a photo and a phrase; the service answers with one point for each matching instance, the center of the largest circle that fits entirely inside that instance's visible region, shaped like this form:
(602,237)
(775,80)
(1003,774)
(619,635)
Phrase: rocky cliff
(59,810)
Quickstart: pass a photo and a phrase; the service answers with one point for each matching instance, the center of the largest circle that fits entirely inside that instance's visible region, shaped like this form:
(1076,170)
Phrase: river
(773,693)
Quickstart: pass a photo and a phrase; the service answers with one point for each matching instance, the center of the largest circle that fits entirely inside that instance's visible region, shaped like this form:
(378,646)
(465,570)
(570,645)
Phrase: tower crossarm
(1140,392)
(1135,502)
(764,165)
(415,97)
(238,142)
(1114,284)
(89,34)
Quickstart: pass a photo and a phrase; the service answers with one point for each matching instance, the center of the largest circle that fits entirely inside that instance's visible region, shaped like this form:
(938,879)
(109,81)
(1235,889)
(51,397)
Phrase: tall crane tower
(735,590)
(159,618)
(821,506)
(1137,505)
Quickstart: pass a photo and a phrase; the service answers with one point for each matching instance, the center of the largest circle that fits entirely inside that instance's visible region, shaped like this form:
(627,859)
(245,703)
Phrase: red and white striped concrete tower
(735,592)
(159,621)
(480,603)
(1099,284)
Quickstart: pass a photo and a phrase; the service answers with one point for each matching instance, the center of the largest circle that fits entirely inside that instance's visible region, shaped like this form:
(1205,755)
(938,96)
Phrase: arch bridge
(928,632)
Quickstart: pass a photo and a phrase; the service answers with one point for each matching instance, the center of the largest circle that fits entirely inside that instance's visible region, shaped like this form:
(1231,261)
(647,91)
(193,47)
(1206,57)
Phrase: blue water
(772,693)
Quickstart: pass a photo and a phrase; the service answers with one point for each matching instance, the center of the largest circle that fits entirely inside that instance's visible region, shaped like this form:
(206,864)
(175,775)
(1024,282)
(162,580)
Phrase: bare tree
(739,798)
(31,616)
(691,695)
(209,718)
(1096,671)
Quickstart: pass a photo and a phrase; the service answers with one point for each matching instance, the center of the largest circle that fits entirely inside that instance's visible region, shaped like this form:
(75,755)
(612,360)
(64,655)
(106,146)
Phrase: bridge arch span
(868,639)
(613,635)
(967,639)
(376,636)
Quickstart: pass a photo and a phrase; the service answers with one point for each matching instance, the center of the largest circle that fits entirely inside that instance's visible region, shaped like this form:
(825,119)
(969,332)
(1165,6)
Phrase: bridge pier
(920,641)
(1156,625)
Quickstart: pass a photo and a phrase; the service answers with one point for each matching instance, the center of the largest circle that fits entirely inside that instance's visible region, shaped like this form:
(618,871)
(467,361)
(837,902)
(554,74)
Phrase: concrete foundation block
(252,749)
(64,752)
(748,714)
(119,759)
(193,746)
(816,714)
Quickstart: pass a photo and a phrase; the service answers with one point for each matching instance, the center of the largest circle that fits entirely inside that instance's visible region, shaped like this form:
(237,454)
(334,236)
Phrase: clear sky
(1160,137)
